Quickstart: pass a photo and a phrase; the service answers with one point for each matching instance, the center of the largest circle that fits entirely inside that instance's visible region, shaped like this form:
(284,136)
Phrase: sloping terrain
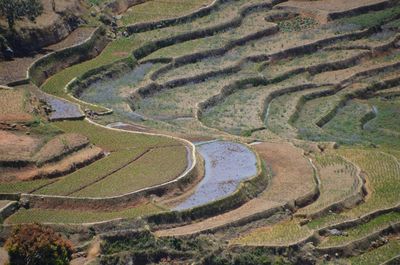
(312,85)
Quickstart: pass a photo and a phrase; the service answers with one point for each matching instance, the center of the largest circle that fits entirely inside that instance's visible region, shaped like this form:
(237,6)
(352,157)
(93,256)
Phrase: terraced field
(313,86)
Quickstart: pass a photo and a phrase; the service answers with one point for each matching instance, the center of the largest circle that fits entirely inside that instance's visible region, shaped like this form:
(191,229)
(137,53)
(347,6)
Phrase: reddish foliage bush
(35,244)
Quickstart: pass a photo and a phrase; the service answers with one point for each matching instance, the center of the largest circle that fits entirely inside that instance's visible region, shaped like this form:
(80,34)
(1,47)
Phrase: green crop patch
(24,186)
(92,173)
(378,255)
(383,172)
(113,140)
(362,230)
(373,19)
(78,217)
(338,180)
(161,9)
(280,234)
(155,167)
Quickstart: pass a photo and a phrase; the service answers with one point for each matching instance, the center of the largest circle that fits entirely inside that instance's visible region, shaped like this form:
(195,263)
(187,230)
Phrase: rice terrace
(208,132)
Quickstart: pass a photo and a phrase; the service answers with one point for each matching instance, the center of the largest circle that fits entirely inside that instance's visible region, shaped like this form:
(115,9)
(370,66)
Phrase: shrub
(35,244)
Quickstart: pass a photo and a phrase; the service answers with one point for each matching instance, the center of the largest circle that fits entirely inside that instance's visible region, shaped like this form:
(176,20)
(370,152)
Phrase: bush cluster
(35,244)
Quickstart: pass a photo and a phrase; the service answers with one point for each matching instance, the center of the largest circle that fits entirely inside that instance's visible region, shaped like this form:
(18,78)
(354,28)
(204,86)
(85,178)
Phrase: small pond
(63,109)
(227,164)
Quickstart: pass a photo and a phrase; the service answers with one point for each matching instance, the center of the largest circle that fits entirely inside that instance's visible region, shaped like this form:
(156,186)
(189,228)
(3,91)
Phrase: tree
(14,10)
(38,245)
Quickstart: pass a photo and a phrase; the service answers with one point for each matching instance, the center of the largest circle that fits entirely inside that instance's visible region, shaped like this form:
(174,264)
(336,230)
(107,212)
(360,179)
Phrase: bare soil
(3,256)
(60,145)
(17,146)
(293,174)
(13,107)
(60,168)
(16,69)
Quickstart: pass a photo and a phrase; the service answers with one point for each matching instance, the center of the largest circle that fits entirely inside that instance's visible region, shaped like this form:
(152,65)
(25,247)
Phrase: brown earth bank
(16,69)
(26,157)
(58,20)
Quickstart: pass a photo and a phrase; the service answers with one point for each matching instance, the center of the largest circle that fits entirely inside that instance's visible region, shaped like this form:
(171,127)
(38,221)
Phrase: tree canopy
(38,245)
(14,10)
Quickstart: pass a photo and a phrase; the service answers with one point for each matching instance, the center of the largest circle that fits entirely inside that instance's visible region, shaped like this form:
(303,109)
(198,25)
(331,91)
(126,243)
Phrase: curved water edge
(227,164)
(112,93)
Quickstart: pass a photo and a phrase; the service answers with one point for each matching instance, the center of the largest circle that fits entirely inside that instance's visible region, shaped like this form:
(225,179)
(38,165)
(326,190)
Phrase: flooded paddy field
(227,164)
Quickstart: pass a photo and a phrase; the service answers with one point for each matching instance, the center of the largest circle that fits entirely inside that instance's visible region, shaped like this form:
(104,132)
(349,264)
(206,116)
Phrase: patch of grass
(395,24)
(155,167)
(123,146)
(331,218)
(297,24)
(338,180)
(280,234)
(77,217)
(91,173)
(115,51)
(362,230)
(123,48)
(383,172)
(23,186)
(378,255)
(160,9)
(373,19)
(112,140)
(251,24)
(282,108)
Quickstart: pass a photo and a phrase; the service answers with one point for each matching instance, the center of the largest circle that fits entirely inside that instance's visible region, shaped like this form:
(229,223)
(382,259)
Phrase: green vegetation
(125,148)
(155,167)
(77,217)
(280,234)
(159,9)
(267,94)
(378,255)
(362,230)
(338,180)
(383,172)
(115,51)
(112,140)
(92,173)
(297,24)
(373,19)
(25,186)
(38,245)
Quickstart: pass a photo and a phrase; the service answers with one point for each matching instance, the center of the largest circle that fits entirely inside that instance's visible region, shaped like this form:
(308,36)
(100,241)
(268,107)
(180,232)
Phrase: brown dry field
(293,174)
(71,150)
(293,178)
(13,106)
(16,69)
(17,145)
(59,168)
(60,145)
